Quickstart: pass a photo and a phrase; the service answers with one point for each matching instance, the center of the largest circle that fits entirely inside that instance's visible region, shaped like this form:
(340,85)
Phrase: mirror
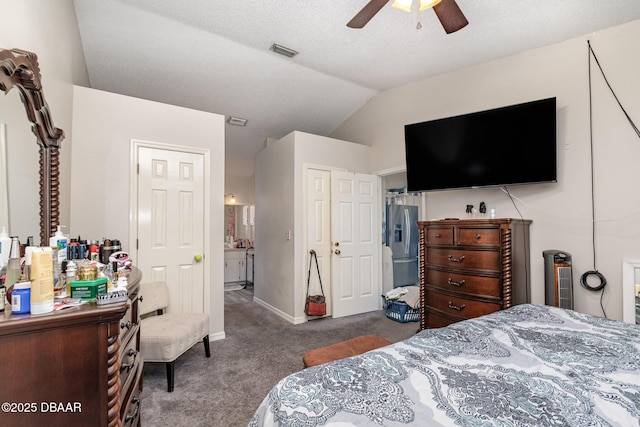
(238,223)
(19,69)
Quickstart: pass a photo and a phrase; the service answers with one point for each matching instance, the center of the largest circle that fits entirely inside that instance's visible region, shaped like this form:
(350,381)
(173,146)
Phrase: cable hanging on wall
(584,280)
(585,277)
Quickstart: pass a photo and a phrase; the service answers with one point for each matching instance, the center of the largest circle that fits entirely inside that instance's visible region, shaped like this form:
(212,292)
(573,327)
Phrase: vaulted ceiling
(213,55)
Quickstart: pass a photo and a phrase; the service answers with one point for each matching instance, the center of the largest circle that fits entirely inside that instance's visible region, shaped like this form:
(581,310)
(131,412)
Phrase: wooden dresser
(77,367)
(469,268)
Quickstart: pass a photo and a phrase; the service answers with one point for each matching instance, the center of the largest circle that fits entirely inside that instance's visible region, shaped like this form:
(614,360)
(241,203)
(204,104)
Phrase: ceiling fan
(447,11)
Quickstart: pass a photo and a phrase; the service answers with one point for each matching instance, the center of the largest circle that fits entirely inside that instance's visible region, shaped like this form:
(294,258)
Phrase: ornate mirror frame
(20,69)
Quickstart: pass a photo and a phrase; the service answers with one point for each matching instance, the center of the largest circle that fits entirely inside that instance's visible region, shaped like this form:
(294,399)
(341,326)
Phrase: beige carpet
(260,349)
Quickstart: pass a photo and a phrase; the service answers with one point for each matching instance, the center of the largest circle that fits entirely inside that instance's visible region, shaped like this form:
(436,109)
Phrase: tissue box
(88,289)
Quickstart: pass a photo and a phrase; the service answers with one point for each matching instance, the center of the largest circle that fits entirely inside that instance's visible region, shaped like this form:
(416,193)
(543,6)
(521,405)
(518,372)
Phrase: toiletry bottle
(21,296)
(3,295)
(59,241)
(42,293)
(13,266)
(71,275)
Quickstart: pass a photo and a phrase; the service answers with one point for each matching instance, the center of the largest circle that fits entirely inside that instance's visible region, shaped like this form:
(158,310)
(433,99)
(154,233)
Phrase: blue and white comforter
(529,365)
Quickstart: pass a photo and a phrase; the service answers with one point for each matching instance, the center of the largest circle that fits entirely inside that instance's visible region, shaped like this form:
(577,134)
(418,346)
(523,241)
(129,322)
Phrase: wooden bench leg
(170,372)
(207,350)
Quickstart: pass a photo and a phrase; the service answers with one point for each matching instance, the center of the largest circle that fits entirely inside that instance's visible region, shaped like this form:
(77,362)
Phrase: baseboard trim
(280,313)
(217,336)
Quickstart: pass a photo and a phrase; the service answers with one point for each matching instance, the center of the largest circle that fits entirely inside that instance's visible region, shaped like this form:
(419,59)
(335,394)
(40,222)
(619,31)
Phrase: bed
(529,365)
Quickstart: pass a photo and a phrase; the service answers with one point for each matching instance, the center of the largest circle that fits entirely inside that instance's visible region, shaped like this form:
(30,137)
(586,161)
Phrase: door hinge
(136,244)
(138,168)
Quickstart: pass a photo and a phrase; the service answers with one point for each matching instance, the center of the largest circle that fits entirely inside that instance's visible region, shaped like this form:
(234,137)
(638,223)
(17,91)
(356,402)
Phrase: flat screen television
(515,144)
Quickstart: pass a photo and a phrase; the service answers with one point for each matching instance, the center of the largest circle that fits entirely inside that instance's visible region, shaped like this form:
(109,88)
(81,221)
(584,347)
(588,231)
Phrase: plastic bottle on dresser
(13,266)
(71,275)
(3,295)
(21,296)
(59,241)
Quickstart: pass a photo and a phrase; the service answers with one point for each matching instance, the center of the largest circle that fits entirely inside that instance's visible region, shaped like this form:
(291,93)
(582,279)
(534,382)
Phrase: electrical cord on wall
(583,280)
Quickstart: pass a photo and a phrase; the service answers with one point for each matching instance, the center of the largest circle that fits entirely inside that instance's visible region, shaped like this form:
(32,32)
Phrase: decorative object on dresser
(74,367)
(166,336)
(469,268)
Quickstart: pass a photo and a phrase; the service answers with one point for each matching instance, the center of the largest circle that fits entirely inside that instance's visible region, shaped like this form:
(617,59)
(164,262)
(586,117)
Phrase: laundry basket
(400,311)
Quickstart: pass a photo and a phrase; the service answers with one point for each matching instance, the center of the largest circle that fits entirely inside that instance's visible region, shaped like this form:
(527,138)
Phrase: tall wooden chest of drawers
(473,267)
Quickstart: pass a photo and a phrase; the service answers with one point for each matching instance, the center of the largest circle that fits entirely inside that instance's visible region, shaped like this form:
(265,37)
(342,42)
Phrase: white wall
(104,125)
(49,29)
(274,254)
(561,212)
(242,187)
(280,264)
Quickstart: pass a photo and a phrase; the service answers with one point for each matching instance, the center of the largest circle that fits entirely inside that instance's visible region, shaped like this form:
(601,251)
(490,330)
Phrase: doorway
(170,221)
(343,229)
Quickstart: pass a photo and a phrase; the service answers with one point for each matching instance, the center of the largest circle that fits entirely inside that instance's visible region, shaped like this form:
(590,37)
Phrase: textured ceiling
(213,55)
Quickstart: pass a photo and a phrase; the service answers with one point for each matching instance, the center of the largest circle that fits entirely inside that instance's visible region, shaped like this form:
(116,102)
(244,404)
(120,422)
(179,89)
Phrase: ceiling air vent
(237,121)
(289,53)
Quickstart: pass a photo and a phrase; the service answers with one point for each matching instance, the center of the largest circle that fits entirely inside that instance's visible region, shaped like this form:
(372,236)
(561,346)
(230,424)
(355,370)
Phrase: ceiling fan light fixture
(428,4)
(403,5)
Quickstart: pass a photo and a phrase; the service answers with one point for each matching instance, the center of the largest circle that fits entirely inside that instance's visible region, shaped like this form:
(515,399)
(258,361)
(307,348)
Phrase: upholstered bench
(166,336)
(343,349)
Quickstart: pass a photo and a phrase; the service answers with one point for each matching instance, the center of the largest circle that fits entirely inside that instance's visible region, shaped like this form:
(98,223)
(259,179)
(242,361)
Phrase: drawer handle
(452,259)
(452,283)
(125,325)
(456,307)
(128,366)
(438,236)
(478,237)
(131,417)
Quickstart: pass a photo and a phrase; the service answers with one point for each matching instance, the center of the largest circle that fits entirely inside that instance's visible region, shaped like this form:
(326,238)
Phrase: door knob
(337,251)
(197,257)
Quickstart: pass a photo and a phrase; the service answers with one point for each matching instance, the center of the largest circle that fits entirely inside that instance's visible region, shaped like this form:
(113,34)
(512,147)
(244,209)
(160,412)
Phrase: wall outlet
(287,235)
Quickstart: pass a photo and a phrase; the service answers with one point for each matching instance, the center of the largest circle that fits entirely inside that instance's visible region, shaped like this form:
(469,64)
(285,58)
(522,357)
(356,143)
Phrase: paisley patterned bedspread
(529,365)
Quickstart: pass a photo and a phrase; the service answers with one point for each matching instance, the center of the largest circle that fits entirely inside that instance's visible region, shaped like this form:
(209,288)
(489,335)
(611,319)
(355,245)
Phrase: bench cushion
(164,338)
(343,349)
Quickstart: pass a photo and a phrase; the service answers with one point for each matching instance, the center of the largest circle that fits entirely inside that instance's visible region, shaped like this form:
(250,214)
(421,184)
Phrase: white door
(355,240)
(171,224)
(319,232)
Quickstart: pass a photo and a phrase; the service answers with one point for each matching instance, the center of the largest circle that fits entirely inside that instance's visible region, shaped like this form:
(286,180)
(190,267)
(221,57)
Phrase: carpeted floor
(260,348)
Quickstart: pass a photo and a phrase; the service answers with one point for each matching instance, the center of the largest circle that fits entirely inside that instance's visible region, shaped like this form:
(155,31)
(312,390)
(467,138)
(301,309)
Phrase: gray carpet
(260,349)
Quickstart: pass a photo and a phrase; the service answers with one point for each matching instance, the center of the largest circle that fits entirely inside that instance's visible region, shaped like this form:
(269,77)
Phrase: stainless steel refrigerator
(402,238)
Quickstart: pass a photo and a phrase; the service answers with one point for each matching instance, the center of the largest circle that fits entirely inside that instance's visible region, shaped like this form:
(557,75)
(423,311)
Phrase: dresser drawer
(130,406)
(437,320)
(465,308)
(440,236)
(129,360)
(458,258)
(470,284)
(479,236)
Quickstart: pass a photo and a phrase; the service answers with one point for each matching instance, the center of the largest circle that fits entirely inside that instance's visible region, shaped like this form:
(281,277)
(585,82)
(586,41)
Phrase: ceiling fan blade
(367,12)
(450,16)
